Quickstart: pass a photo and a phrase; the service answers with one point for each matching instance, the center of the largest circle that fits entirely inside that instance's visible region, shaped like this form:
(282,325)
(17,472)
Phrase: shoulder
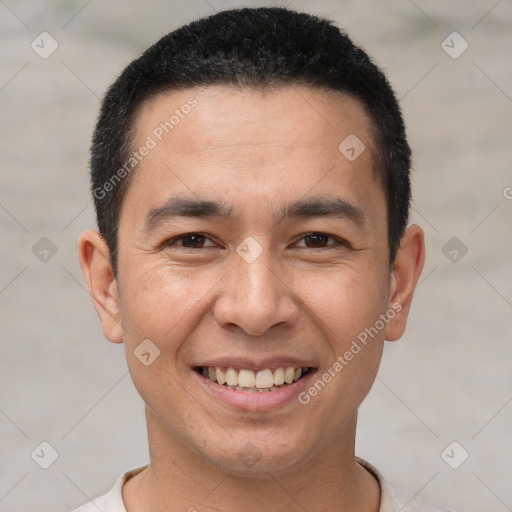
(398,499)
(394,499)
(112,501)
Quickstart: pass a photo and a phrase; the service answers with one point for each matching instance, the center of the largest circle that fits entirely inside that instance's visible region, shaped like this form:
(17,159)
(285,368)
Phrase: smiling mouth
(261,381)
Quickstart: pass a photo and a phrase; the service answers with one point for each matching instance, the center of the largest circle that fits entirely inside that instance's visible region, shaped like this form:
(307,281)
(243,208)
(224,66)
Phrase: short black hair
(251,48)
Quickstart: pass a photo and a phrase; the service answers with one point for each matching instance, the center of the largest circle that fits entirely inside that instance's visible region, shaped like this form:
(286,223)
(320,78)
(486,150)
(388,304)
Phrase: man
(250,173)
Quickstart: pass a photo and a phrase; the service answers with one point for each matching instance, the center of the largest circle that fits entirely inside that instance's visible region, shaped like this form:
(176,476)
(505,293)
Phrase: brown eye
(319,241)
(193,241)
(316,240)
(189,241)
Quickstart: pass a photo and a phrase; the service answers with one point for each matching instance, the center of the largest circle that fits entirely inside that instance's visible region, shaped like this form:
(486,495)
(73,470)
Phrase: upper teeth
(262,379)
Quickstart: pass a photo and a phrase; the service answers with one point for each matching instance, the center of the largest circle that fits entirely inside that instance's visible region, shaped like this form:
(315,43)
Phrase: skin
(254,151)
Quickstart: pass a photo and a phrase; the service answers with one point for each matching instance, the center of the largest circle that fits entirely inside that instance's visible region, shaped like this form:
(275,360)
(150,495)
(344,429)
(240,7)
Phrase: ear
(94,257)
(406,271)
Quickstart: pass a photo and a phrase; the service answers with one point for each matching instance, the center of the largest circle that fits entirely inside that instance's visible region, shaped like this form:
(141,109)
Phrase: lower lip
(254,401)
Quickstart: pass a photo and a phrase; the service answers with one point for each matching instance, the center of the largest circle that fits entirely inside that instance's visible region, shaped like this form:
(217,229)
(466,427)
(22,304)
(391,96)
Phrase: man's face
(269,287)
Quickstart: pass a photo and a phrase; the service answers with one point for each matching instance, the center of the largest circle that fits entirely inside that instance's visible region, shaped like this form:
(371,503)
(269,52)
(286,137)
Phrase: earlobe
(94,258)
(406,271)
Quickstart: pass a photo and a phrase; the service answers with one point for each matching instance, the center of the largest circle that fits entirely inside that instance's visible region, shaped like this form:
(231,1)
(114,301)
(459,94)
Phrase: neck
(181,479)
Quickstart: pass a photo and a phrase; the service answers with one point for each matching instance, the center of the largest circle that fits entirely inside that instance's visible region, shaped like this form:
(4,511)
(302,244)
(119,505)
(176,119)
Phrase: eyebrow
(175,207)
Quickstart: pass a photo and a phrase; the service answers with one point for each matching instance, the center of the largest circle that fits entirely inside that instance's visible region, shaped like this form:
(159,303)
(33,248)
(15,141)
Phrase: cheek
(157,314)
(345,301)
(348,306)
(157,300)
(159,310)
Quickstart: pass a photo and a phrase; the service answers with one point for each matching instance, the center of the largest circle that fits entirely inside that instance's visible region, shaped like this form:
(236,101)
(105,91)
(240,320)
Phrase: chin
(257,456)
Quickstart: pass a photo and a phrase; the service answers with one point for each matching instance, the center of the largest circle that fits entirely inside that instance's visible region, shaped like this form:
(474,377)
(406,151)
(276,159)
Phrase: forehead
(287,113)
(227,142)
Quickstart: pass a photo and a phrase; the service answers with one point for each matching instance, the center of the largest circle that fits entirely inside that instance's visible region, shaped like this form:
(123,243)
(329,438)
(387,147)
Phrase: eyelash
(338,241)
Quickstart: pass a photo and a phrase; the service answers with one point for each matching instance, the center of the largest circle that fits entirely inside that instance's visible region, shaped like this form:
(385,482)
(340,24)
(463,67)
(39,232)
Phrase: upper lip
(255,364)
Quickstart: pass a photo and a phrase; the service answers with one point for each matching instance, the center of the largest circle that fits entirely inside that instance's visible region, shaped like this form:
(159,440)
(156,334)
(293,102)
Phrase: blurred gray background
(448,380)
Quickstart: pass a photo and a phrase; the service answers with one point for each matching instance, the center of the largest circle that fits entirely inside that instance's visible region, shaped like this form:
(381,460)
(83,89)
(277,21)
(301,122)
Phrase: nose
(255,298)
